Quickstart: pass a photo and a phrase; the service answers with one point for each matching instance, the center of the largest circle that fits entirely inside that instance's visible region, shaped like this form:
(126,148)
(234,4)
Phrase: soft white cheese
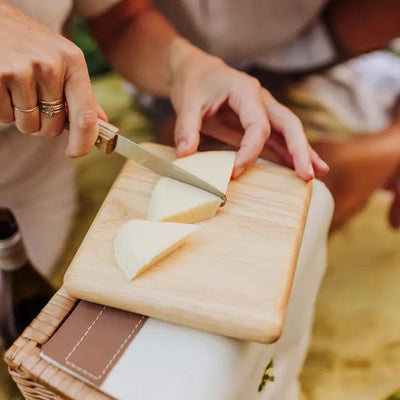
(176,201)
(139,243)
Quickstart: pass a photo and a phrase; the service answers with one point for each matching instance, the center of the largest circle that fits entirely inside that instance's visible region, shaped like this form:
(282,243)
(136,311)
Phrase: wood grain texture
(232,276)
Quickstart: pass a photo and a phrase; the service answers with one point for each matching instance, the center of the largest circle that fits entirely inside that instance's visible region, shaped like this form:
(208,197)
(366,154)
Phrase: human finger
(187,129)
(277,145)
(82,111)
(101,113)
(217,128)
(6,110)
(320,166)
(224,128)
(289,125)
(22,87)
(51,98)
(248,105)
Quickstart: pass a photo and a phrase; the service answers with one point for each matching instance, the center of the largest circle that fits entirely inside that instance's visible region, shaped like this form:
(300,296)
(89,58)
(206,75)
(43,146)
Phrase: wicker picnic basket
(34,376)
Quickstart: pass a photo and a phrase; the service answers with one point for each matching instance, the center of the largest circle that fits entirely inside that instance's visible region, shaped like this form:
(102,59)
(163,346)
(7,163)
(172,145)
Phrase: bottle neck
(12,253)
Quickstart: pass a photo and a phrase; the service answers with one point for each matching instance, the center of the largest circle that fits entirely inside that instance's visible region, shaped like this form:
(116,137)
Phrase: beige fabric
(319,122)
(37,183)
(354,98)
(54,13)
(280,34)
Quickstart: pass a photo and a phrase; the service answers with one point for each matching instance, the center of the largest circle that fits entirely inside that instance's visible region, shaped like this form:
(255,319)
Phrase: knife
(109,140)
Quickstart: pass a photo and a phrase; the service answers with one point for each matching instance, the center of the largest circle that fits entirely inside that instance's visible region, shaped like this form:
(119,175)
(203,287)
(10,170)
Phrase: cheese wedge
(139,243)
(176,201)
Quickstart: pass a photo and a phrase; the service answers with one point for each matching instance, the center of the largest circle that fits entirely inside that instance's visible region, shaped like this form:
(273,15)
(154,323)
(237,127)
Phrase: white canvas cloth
(171,362)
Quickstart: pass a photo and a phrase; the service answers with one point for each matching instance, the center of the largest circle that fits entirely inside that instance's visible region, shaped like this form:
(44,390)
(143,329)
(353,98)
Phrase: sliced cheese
(176,201)
(139,243)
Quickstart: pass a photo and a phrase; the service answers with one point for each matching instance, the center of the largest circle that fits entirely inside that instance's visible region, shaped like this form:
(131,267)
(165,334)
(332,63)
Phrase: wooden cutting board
(232,276)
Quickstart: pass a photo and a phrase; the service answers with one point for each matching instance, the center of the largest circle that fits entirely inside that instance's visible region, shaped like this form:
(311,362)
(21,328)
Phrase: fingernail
(238,170)
(181,146)
(70,152)
(101,113)
(323,164)
(240,159)
(311,170)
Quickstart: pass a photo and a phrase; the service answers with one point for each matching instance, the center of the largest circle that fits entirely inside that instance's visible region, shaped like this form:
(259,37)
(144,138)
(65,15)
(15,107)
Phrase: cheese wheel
(179,202)
(140,244)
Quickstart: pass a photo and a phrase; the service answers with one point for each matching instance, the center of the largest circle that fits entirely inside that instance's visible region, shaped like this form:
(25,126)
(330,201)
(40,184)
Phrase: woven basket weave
(34,376)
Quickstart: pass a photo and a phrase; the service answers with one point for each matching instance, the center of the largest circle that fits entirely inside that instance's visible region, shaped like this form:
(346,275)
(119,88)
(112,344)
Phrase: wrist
(185,58)
(179,53)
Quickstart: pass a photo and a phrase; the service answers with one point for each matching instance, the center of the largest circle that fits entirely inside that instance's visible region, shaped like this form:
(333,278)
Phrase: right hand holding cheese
(201,85)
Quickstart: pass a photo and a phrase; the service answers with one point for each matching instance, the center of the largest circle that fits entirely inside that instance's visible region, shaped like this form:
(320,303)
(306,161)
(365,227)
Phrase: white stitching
(84,371)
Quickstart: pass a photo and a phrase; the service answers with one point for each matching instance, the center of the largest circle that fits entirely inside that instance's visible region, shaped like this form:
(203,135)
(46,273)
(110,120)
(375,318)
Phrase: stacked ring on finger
(49,108)
(26,110)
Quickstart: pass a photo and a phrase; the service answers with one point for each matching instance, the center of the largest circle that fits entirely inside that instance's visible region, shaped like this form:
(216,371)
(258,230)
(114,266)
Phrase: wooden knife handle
(107,138)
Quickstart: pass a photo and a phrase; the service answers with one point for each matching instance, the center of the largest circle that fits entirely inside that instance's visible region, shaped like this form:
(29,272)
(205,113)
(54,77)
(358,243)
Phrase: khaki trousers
(37,182)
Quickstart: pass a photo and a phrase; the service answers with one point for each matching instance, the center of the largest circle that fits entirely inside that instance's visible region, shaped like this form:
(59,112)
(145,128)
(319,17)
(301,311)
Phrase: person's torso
(273,33)
(53,13)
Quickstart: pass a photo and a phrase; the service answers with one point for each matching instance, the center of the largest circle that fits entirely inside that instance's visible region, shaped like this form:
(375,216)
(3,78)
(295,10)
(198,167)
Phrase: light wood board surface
(232,276)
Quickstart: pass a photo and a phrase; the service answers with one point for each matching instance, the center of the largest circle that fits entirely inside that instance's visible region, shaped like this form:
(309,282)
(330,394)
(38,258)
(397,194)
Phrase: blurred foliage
(395,396)
(81,36)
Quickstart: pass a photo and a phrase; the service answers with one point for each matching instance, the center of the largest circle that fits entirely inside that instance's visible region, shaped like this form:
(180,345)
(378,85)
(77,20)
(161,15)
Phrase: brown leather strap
(92,340)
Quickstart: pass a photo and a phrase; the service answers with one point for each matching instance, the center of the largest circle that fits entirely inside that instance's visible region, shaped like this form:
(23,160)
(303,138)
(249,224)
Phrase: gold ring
(52,103)
(49,111)
(26,110)
(49,108)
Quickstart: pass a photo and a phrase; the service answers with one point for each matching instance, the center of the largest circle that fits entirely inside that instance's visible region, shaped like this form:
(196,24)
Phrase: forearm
(362,26)
(143,47)
(137,42)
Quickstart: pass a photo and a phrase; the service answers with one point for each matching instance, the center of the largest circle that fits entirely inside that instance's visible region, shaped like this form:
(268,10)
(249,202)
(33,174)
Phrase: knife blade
(110,140)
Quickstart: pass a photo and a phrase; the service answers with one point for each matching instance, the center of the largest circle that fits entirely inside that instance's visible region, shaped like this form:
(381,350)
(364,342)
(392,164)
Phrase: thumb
(187,130)
(101,113)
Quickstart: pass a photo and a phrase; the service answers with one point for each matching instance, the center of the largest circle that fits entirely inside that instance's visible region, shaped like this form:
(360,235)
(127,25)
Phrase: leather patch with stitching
(92,340)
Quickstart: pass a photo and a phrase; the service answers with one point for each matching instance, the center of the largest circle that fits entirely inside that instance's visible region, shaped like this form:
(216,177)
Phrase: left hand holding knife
(40,75)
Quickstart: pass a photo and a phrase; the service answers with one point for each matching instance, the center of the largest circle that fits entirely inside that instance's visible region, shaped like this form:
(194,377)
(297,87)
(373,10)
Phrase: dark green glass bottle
(23,291)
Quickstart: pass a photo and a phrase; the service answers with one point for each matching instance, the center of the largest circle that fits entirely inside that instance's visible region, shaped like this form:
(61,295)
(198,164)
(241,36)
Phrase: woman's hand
(38,64)
(225,127)
(201,84)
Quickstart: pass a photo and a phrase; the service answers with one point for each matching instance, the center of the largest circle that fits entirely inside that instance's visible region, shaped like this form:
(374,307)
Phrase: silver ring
(26,110)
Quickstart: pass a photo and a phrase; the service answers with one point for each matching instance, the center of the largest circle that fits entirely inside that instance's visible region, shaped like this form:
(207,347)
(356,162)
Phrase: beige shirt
(54,13)
(278,34)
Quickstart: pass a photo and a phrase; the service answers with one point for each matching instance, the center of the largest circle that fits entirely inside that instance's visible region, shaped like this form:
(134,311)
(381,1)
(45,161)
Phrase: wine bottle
(23,290)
